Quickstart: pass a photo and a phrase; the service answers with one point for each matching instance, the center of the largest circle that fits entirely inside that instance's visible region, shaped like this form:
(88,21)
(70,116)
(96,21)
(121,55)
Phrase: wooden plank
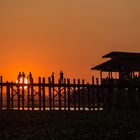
(37,84)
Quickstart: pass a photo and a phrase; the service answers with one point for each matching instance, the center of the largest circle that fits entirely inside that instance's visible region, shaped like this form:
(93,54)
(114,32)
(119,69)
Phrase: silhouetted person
(61,76)
(23,77)
(52,78)
(19,77)
(30,77)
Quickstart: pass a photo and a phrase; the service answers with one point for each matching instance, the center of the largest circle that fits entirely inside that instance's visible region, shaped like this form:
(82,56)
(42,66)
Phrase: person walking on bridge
(61,76)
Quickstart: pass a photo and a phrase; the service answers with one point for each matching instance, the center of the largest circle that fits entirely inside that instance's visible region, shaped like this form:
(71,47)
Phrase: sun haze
(48,36)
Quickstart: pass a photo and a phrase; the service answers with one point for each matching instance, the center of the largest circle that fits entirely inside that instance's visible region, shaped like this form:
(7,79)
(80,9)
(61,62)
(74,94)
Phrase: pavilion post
(93,80)
(101,76)
(109,75)
(97,94)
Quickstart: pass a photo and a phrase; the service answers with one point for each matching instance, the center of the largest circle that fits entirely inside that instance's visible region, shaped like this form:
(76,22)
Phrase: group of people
(21,76)
(61,77)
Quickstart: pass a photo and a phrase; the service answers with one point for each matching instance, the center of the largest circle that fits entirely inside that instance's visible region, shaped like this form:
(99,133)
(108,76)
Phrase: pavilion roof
(127,55)
(120,61)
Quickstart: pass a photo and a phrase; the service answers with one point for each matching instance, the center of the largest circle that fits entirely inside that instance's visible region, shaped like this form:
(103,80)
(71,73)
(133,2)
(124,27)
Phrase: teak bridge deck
(46,95)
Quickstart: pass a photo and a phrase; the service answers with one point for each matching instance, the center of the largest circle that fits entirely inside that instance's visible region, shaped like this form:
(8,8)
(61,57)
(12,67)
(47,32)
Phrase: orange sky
(43,36)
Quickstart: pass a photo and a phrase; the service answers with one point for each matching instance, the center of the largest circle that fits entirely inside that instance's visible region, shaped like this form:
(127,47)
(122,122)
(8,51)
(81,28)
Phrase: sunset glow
(48,36)
(21,81)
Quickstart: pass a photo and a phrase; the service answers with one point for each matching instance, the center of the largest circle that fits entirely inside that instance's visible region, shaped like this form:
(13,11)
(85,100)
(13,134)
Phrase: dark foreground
(28,125)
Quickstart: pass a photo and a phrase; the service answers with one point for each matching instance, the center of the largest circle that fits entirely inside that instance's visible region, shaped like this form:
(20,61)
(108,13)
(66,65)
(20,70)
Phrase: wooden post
(39,92)
(18,95)
(88,92)
(107,76)
(68,82)
(50,96)
(43,89)
(32,94)
(111,74)
(93,97)
(83,93)
(74,91)
(59,93)
(98,100)
(53,96)
(65,94)
(101,77)
(28,96)
(12,96)
(79,96)
(93,80)
(1,93)
(23,93)
(8,95)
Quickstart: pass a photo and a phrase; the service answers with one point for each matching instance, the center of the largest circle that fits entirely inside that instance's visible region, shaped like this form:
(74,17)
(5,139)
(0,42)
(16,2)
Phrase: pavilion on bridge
(121,66)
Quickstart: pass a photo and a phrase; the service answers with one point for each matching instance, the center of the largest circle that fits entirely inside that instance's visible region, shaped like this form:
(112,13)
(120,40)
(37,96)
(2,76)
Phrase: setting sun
(21,81)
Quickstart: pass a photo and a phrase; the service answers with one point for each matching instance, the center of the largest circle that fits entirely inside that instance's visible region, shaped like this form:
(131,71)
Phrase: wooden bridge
(108,94)
(45,95)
